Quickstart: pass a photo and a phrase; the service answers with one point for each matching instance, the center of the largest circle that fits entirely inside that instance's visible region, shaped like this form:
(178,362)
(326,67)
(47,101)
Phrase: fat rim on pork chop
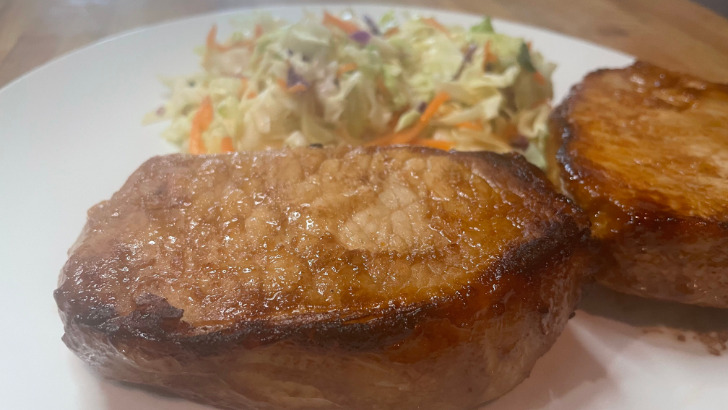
(326,277)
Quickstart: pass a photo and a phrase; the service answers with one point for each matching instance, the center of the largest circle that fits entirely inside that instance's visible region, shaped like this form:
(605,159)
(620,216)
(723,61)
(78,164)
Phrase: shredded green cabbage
(346,80)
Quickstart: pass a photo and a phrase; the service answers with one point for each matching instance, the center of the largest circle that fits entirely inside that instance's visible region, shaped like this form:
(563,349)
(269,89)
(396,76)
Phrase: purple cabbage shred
(361,37)
(372,26)
(293,78)
(467,58)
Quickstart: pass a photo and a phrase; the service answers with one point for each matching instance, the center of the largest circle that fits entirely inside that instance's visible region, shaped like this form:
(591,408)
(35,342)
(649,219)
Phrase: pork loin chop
(326,278)
(645,152)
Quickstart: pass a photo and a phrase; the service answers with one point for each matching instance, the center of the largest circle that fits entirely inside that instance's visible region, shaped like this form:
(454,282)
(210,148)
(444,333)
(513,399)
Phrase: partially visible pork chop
(645,152)
(326,278)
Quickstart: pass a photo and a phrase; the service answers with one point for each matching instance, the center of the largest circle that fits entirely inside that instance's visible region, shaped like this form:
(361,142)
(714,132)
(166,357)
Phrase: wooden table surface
(676,34)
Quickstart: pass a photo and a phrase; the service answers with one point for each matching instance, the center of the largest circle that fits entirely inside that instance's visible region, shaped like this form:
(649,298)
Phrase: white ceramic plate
(70,134)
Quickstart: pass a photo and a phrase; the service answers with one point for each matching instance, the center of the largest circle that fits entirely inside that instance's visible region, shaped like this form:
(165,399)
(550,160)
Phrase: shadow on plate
(563,375)
(679,322)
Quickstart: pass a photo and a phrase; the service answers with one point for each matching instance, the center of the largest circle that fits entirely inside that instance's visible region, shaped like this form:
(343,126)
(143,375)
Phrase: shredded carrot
(200,122)
(392,31)
(436,24)
(434,105)
(439,144)
(470,125)
(510,131)
(347,26)
(212,37)
(258,31)
(410,134)
(345,68)
(252,94)
(212,43)
(488,56)
(297,88)
(243,87)
(226,145)
(540,79)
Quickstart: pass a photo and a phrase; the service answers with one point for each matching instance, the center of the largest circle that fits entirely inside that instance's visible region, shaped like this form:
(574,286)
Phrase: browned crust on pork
(653,243)
(506,317)
(158,321)
(440,366)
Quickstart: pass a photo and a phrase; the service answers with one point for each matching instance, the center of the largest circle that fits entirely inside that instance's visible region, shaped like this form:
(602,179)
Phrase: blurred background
(685,35)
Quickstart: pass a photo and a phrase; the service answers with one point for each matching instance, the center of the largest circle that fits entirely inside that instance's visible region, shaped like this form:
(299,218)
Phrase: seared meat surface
(645,152)
(326,278)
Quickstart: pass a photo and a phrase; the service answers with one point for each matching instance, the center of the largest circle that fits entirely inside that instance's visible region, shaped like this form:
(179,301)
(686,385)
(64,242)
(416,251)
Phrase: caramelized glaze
(309,262)
(234,237)
(645,152)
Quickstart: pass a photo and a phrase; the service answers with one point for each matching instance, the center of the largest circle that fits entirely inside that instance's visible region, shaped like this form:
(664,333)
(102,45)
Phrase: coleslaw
(349,79)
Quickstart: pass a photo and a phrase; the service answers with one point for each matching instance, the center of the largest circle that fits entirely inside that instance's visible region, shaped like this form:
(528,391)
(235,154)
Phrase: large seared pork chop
(353,278)
(645,152)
